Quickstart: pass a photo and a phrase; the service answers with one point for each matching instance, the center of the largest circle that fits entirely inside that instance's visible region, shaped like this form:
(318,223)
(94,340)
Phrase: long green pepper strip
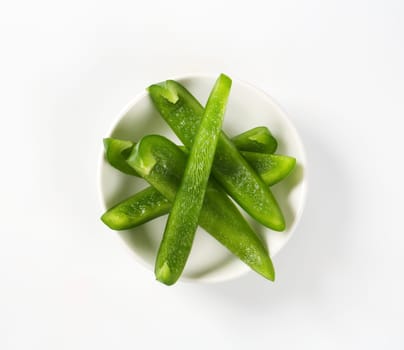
(161,163)
(184,215)
(183,113)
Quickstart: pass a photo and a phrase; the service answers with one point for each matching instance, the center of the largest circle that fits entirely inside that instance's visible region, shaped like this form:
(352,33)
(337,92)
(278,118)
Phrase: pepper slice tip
(163,274)
(143,165)
(166,89)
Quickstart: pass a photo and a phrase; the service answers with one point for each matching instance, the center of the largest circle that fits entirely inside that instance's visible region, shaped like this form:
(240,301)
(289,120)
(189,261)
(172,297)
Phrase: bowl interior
(248,107)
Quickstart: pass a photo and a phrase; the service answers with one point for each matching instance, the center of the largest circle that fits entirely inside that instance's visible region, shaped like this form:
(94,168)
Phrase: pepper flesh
(116,153)
(161,163)
(183,113)
(142,207)
(272,168)
(258,139)
(147,205)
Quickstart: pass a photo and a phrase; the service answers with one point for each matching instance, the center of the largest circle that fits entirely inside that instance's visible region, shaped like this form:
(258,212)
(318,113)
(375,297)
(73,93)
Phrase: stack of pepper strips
(181,185)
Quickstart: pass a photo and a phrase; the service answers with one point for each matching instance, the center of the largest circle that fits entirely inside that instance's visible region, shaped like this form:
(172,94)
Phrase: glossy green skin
(150,204)
(142,207)
(116,153)
(271,168)
(183,113)
(258,139)
(183,218)
(162,164)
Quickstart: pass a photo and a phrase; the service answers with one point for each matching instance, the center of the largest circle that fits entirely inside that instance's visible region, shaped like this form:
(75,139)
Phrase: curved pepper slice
(271,168)
(258,139)
(142,207)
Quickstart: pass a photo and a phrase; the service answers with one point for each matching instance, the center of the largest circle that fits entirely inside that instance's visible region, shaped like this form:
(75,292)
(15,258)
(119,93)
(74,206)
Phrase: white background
(67,69)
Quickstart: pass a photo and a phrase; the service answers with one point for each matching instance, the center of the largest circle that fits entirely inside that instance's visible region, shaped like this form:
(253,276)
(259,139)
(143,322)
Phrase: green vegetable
(184,215)
(271,168)
(144,206)
(150,204)
(116,152)
(258,139)
(183,113)
(161,163)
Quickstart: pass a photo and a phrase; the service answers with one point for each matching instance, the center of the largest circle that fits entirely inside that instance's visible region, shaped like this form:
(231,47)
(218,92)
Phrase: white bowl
(248,107)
